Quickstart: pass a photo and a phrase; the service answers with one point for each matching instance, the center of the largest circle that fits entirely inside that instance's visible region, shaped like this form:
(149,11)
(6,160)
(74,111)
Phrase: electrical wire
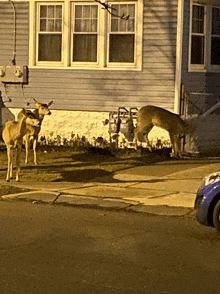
(6,94)
(14,32)
(25,99)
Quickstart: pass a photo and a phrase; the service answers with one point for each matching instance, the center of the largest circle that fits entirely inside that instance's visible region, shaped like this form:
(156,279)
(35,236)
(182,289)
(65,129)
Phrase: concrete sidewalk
(165,188)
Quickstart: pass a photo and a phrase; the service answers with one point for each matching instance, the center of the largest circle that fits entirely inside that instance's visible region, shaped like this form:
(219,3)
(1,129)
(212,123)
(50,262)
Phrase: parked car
(207,202)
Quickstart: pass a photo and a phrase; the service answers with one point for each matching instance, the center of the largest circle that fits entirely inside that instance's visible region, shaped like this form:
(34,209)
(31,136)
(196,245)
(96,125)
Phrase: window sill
(203,70)
(197,68)
(85,68)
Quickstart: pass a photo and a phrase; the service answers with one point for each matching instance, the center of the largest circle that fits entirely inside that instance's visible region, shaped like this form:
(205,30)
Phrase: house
(91,57)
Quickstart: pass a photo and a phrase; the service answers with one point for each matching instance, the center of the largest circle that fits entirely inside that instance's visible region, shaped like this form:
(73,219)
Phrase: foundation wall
(84,123)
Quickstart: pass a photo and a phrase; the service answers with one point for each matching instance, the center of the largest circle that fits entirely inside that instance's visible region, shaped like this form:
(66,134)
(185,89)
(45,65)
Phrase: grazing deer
(13,135)
(33,131)
(150,116)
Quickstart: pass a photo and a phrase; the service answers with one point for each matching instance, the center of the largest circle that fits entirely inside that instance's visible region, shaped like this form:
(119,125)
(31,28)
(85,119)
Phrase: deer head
(43,108)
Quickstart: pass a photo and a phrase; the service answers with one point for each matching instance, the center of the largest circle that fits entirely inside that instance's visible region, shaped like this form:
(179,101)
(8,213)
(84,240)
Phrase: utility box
(14,74)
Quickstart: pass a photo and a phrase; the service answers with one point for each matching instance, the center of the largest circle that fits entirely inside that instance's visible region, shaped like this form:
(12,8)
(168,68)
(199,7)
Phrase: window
(122,34)
(85,35)
(198,36)
(205,38)
(215,37)
(50,33)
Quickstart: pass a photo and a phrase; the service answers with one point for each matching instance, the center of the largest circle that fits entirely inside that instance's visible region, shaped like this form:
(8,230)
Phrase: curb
(59,198)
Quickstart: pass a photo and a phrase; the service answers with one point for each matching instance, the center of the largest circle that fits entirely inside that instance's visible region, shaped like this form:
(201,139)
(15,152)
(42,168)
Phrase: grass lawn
(72,166)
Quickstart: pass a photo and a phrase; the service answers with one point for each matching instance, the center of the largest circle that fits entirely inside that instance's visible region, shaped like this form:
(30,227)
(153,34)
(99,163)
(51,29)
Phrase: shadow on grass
(83,175)
(85,167)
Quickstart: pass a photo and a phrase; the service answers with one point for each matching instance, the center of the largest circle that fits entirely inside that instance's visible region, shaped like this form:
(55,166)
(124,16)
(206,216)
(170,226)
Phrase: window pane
(94,25)
(215,51)
(197,26)
(197,50)
(58,25)
(49,47)
(50,24)
(215,21)
(122,25)
(198,12)
(198,19)
(51,11)
(119,24)
(86,25)
(130,23)
(131,10)
(121,48)
(78,25)
(86,18)
(114,25)
(78,11)
(86,11)
(58,11)
(51,18)
(123,9)
(85,47)
(115,9)
(94,11)
(43,24)
(43,11)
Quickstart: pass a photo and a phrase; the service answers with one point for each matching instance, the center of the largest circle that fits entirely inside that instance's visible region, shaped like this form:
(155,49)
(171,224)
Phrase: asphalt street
(65,250)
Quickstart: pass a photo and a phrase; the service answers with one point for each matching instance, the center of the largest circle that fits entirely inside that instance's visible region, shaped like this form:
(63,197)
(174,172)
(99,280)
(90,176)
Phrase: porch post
(179,41)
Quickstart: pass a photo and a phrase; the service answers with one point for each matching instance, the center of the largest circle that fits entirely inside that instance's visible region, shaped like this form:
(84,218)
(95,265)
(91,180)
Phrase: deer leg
(147,141)
(178,146)
(27,147)
(18,167)
(10,161)
(175,145)
(11,165)
(146,130)
(35,150)
(135,138)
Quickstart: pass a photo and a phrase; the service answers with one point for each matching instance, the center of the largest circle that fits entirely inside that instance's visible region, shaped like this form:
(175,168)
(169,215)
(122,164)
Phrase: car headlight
(210,179)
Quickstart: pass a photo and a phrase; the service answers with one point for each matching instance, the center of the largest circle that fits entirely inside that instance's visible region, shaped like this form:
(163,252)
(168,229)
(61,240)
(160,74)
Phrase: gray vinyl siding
(97,90)
(7,33)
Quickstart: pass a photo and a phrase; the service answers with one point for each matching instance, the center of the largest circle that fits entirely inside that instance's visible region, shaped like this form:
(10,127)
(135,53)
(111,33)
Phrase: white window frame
(67,42)
(45,63)
(78,64)
(207,66)
(119,64)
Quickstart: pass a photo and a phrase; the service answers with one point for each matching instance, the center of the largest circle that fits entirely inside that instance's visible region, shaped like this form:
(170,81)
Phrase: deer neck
(22,126)
(39,116)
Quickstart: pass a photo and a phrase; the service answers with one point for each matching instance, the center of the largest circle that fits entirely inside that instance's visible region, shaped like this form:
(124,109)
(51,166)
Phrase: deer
(33,131)
(150,116)
(12,135)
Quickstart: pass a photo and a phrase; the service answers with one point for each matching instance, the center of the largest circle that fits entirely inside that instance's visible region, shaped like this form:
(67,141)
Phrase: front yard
(76,166)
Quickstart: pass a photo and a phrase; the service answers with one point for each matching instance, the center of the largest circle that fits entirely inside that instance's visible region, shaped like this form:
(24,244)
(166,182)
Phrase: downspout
(179,49)
(14,42)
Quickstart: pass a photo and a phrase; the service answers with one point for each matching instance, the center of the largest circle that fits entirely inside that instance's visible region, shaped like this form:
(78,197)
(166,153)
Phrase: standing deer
(33,131)
(13,135)
(150,116)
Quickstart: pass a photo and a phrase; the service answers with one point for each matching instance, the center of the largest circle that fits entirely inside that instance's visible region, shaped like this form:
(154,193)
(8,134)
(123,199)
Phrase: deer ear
(38,105)
(49,103)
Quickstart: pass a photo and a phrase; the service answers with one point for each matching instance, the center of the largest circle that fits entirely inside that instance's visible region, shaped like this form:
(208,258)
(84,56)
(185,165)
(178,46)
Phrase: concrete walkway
(165,188)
